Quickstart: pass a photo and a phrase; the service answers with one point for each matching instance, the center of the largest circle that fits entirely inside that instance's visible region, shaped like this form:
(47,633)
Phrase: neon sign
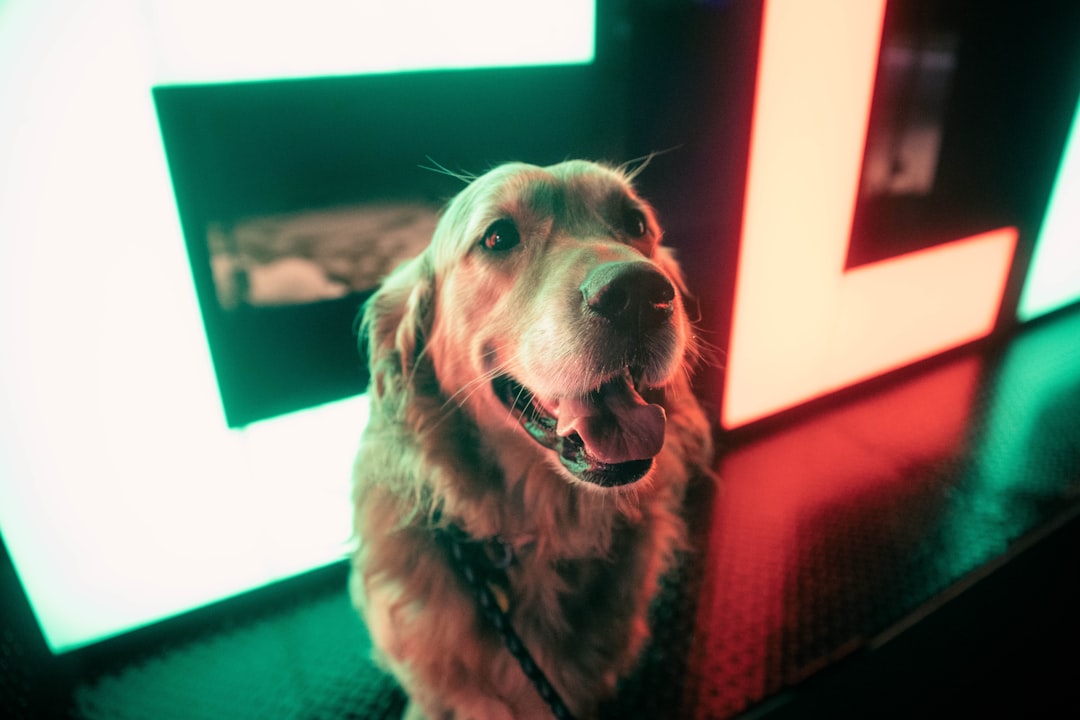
(802,325)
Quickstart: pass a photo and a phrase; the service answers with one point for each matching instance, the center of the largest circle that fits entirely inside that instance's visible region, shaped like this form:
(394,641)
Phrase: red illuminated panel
(802,325)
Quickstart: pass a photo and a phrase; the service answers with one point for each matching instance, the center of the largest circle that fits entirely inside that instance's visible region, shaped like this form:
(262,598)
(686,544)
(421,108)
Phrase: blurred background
(196,198)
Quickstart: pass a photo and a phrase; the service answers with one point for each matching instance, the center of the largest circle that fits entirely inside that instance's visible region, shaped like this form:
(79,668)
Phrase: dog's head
(545,303)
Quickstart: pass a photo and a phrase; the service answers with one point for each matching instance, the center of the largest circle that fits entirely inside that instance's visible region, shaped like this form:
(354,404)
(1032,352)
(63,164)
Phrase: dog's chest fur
(585,567)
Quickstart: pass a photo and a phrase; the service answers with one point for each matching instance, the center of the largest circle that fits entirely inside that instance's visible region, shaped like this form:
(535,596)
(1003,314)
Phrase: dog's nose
(630,294)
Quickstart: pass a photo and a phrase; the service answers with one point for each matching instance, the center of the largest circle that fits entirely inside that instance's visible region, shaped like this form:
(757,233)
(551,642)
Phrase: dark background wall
(673,77)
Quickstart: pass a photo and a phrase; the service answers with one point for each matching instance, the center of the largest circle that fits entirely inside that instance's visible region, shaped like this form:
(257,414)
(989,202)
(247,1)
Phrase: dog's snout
(629,294)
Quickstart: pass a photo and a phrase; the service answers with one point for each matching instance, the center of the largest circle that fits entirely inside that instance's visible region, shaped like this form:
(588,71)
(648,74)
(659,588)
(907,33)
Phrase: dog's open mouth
(608,437)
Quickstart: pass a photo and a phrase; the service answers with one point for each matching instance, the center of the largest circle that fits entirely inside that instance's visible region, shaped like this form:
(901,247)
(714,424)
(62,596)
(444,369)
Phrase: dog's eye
(634,223)
(501,236)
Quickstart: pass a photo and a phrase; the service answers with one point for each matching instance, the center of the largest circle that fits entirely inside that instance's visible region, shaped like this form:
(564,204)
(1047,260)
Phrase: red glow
(795,511)
(802,326)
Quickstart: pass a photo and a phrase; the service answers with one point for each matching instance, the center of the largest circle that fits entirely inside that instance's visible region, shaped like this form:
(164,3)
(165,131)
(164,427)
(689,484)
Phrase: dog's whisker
(706,352)
(635,166)
(537,412)
(457,400)
(443,170)
(463,393)
(517,400)
(466,391)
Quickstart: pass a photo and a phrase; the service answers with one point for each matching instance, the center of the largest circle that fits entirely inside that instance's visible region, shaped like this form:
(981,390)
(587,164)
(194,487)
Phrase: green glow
(210,41)
(1014,467)
(1053,280)
(124,498)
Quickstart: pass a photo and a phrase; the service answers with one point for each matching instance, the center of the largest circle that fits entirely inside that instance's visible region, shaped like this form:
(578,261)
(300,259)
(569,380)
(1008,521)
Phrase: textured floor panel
(830,532)
(309,662)
(822,537)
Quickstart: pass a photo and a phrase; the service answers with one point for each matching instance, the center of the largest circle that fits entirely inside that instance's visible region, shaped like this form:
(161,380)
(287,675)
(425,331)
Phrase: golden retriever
(529,391)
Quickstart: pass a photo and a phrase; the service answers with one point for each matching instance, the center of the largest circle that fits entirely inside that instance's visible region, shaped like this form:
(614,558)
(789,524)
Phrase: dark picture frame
(264,154)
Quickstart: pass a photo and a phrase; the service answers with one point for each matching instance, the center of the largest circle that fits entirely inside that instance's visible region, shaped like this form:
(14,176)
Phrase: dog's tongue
(615,422)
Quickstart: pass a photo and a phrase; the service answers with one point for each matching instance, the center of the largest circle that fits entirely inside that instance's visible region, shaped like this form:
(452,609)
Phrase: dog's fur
(442,448)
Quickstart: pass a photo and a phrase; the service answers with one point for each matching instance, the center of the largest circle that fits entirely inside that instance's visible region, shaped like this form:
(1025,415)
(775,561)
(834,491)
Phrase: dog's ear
(395,321)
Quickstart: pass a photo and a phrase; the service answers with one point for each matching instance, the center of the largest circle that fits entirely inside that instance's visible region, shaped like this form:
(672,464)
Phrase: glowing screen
(124,498)
(1053,279)
(212,41)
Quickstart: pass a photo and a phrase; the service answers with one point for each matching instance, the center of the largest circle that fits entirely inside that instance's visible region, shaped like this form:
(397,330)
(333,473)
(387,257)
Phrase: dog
(529,396)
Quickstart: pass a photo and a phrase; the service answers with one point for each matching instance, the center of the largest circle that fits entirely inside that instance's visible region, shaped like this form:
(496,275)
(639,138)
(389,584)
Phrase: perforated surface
(309,661)
(823,537)
(831,531)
